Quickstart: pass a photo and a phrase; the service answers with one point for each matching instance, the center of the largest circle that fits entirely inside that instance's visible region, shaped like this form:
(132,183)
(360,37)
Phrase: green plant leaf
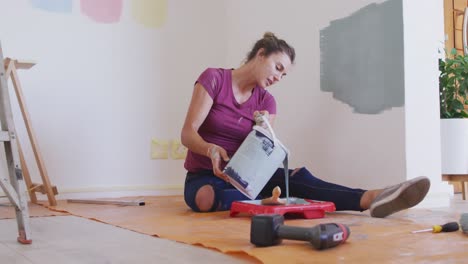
(453,51)
(457,105)
(453,85)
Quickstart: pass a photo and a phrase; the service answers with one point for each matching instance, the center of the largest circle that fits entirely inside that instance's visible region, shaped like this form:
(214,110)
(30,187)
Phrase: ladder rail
(4,136)
(34,144)
(15,188)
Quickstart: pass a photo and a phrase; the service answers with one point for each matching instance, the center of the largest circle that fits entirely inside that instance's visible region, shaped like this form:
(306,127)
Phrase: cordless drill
(269,229)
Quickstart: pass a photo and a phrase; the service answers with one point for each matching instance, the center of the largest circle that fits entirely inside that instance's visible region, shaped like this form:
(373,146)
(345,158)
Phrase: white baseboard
(111,192)
(436,200)
(119,191)
(114,194)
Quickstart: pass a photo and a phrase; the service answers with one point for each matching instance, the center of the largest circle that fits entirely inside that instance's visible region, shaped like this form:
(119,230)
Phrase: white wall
(422,124)
(322,133)
(101,92)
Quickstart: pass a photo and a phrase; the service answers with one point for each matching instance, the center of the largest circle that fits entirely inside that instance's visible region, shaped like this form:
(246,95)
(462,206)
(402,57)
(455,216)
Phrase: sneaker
(399,197)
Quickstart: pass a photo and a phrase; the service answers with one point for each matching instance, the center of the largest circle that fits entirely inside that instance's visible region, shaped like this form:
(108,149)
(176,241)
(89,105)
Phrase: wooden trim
(449,26)
(462,178)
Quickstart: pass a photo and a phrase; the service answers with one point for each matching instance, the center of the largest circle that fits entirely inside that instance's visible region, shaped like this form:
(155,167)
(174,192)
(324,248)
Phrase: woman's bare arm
(198,110)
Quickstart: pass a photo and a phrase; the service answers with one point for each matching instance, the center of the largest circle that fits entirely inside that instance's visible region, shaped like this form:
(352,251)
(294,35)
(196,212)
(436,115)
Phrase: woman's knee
(296,170)
(204,199)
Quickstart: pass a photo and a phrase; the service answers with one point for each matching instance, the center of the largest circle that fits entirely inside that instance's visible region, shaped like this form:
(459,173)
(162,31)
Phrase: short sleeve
(211,80)
(269,103)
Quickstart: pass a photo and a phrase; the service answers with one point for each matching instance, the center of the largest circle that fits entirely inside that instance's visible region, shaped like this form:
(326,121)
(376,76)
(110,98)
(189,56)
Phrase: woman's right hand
(216,153)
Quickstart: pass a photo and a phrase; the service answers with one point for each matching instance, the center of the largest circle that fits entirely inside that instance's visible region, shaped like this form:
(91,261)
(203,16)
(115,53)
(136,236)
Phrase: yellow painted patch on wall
(159,149)
(150,13)
(178,151)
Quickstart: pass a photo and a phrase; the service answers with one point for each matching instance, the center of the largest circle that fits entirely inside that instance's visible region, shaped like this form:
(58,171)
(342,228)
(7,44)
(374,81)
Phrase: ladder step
(42,189)
(4,136)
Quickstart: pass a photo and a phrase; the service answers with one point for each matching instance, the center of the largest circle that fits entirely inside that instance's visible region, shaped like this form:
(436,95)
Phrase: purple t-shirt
(228,123)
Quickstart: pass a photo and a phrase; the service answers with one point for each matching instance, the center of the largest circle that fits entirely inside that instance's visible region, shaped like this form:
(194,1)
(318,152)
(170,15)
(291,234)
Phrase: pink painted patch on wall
(102,11)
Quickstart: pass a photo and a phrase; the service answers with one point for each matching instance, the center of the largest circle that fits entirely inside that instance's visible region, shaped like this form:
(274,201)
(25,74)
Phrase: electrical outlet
(178,151)
(159,149)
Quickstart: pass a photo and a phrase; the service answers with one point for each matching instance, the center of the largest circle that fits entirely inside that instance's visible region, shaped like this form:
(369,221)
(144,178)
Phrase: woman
(224,106)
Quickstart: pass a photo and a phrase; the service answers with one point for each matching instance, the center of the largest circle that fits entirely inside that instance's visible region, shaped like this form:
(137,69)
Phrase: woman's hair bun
(269,35)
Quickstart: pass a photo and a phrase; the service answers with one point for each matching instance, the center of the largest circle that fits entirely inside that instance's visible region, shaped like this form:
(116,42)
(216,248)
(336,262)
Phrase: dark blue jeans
(302,184)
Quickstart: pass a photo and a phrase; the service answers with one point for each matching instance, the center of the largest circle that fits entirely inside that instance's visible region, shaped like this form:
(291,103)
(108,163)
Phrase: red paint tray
(308,209)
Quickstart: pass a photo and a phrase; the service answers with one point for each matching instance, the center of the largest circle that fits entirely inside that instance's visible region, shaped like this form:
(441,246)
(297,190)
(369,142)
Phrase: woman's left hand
(258,117)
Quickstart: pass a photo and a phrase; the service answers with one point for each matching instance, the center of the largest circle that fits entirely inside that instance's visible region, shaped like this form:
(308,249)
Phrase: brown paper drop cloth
(372,240)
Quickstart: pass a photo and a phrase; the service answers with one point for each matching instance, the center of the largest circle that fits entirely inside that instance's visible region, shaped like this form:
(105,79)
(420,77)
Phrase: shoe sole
(408,195)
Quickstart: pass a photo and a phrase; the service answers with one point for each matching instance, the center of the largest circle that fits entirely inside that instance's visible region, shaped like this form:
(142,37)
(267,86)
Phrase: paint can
(256,160)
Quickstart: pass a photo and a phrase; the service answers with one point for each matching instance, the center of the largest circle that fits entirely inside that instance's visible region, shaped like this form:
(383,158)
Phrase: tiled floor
(71,239)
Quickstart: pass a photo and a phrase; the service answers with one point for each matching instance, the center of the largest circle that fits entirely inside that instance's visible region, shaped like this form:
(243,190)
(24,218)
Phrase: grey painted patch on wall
(361,58)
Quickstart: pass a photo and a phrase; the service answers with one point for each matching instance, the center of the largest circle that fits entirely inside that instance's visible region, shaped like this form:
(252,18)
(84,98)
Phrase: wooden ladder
(46,187)
(14,187)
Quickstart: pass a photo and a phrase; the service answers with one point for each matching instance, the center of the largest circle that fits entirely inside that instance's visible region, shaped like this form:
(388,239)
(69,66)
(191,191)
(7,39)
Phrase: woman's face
(271,69)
